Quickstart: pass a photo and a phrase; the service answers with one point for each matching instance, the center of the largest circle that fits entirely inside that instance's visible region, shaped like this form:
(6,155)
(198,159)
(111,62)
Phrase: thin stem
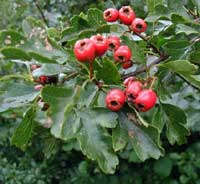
(72,75)
(91,69)
(41,12)
(144,68)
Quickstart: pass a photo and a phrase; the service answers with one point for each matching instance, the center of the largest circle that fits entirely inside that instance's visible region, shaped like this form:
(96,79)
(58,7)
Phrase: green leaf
(107,71)
(194,80)
(119,138)
(177,49)
(188,30)
(158,119)
(94,141)
(195,57)
(15,95)
(163,167)
(61,100)
(181,67)
(95,17)
(145,140)
(151,4)
(24,131)
(176,124)
(15,53)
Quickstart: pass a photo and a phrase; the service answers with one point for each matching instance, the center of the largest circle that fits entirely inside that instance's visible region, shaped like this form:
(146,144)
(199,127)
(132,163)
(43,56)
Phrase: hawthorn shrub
(69,103)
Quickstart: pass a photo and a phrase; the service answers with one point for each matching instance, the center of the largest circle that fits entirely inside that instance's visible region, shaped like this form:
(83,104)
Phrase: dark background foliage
(63,163)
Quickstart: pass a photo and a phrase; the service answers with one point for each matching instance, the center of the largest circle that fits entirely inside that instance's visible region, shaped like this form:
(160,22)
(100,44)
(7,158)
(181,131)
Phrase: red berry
(138,25)
(101,44)
(127,64)
(110,15)
(84,50)
(128,81)
(115,99)
(43,79)
(122,54)
(132,90)
(145,100)
(113,42)
(38,87)
(126,15)
(34,67)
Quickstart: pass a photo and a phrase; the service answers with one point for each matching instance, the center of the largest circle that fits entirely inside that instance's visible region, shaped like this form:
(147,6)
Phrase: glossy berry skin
(132,91)
(122,54)
(128,81)
(111,15)
(100,43)
(145,100)
(84,50)
(126,15)
(138,25)
(115,99)
(113,43)
(127,64)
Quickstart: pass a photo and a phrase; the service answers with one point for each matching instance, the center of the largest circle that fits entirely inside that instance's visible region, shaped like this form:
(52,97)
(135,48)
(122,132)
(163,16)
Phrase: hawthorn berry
(113,42)
(115,99)
(43,79)
(127,64)
(84,50)
(132,91)
(34,67)
(110,15)
(128,80)
(38,87)
(145,100)
(126,15)
(101,44)
(122,54)
(138,25)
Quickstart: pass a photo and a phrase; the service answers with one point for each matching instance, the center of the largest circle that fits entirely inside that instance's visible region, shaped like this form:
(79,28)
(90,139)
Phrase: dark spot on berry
(99,39)
(139,26)
(140,106)
(126,11)
(121,58)
(108,14)
(113,103)
(131,96)
(83,44)
(111,46)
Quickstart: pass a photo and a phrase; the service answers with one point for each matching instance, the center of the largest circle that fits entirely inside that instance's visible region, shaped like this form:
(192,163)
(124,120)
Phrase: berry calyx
(126,15)
(132,91)
(84,50)
(110,15)
(128,80)
(127,64)
(122,54)
(145,100)
(113,42)
(115,99)
(100,43)
(138,25)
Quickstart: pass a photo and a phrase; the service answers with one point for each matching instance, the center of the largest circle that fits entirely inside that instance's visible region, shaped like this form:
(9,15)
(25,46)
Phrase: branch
(149,44)
(41,12)
(144,68)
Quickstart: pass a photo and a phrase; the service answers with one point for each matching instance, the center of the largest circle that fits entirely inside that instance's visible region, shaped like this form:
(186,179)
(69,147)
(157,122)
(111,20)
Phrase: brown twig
(144,68)
(41,12)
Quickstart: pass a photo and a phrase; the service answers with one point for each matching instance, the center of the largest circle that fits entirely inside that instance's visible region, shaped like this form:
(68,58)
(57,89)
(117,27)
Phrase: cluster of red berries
(86,50)
(143,99)
(127,16)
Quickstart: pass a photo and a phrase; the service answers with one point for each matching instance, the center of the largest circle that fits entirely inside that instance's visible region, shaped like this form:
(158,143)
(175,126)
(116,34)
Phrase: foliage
(77,116)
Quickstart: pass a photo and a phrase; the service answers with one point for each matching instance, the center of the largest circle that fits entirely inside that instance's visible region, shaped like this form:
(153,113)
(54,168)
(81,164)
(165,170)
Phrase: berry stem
(144,68)
(91,69)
